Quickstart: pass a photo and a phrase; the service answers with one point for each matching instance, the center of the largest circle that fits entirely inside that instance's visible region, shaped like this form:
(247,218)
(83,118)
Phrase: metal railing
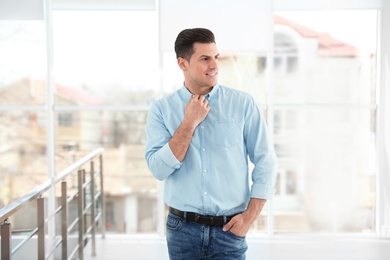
(90,203)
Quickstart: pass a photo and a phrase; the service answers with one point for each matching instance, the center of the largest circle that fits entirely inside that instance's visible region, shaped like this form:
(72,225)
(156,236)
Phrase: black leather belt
(202,219)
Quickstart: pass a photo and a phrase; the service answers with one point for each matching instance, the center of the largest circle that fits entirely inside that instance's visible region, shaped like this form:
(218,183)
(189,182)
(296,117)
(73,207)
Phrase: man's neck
(199,90)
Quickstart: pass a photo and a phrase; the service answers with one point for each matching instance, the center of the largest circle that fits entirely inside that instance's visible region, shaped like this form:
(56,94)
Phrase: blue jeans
(191,241)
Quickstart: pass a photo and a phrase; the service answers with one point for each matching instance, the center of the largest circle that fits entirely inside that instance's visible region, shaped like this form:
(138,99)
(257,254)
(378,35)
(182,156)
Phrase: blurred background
(83,75)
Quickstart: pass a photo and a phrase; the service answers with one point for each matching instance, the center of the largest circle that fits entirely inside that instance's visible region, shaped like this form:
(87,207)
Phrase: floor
(278,247)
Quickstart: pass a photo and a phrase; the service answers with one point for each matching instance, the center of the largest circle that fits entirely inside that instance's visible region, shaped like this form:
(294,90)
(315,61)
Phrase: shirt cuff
(168,157)
(261,191)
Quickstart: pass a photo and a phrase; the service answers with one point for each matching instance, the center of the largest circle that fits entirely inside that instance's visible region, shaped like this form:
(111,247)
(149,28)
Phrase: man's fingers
(228,225)
(201,98)
(198,97)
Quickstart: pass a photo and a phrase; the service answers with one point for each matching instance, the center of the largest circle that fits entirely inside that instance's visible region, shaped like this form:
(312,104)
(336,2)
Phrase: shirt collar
(187,94)
(213,91)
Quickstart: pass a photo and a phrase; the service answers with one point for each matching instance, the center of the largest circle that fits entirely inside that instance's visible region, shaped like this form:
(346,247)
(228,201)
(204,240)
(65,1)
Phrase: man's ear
(183,63)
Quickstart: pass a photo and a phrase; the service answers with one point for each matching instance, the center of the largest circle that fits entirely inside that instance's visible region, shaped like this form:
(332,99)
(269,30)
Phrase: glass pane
(326,153)
(326,170)
(106,57)
(23,161)
(325,57)
(23,64)
(130,187)
(246,72)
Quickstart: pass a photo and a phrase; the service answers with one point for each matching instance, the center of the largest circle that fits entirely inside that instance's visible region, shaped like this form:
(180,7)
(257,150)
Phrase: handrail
(17,204)
(83,210)
(62,174)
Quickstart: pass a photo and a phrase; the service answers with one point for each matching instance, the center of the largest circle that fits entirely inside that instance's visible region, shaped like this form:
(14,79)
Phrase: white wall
(383,209)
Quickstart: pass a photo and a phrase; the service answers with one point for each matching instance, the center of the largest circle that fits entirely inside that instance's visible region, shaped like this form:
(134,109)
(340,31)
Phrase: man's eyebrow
(207,56)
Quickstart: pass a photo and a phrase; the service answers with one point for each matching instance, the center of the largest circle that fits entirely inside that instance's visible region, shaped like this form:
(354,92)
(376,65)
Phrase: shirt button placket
(204,164)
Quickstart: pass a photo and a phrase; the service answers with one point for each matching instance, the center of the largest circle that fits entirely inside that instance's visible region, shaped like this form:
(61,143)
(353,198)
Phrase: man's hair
(184,44)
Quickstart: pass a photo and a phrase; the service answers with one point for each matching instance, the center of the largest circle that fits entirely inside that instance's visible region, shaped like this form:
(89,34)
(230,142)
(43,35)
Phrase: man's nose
(213,63)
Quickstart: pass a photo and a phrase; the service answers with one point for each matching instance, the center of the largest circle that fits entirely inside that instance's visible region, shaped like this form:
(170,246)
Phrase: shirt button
(204,170)
(201,126)
(205,193)
(203,149)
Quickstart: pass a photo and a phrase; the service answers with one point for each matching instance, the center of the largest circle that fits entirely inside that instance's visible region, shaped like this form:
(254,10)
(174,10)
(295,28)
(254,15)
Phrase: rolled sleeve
(168,157)
(262,153)
(159,156)
(261,191)
(163,163)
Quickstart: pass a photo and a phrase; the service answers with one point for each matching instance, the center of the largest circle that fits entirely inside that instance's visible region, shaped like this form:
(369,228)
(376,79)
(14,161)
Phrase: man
(199,140)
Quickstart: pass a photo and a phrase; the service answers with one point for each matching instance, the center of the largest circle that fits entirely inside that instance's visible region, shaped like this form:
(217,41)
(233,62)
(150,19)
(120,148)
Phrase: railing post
(5,240)
(64,220)
(103,200)
(81,213)
(85,223)
(41,228)
(93,210)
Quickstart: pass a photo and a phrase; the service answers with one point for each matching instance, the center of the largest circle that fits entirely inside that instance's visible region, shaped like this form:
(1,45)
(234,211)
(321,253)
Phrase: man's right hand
(196,110)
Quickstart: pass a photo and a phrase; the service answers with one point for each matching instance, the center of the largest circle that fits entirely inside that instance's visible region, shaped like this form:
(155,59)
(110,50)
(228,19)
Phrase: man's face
(201,72)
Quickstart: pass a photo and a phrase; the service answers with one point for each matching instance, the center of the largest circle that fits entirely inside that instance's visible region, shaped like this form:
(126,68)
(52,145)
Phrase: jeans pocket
(173,222)
(235,236)
(234,246)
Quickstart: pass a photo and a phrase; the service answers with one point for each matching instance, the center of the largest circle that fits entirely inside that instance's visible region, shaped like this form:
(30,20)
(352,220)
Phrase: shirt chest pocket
(228,133)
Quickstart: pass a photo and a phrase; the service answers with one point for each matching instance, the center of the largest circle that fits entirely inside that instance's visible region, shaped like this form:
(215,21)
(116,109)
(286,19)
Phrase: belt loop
(224,220)
(185,216)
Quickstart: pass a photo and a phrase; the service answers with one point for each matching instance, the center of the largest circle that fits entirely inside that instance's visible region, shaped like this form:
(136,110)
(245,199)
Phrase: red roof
(327,45)
(78,95)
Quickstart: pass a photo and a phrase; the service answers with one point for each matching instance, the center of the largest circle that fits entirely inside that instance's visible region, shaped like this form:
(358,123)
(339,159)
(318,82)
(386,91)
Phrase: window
(323,114)
(321,98)
(285,54)
(65,119)
(105,80)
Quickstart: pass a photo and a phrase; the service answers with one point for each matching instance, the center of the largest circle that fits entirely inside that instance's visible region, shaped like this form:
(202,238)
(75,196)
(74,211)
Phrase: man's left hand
(238,225)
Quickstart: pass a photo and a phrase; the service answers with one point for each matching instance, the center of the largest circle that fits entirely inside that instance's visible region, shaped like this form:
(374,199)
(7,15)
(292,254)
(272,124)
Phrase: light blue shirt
(213,178)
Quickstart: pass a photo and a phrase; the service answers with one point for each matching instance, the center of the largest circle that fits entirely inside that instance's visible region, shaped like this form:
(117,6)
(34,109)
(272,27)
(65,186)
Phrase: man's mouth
(213,74)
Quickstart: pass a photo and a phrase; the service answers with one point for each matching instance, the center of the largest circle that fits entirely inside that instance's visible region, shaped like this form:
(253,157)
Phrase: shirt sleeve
(159,156)
(261,153)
